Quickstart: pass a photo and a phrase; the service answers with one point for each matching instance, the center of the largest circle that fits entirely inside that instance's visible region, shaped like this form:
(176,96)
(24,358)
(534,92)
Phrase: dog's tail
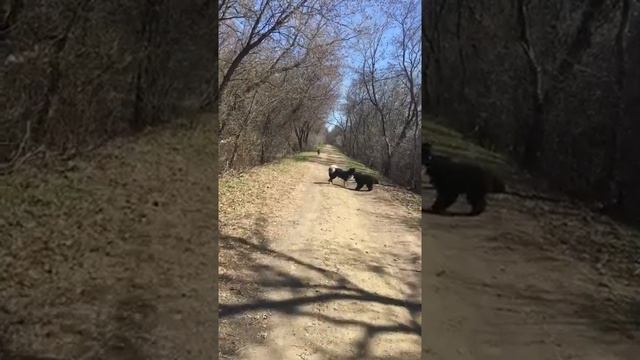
(332,168)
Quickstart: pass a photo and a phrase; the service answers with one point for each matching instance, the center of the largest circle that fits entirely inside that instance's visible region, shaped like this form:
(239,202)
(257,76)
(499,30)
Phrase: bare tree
(74,73)
(285,55)
(381,115)
(282,21)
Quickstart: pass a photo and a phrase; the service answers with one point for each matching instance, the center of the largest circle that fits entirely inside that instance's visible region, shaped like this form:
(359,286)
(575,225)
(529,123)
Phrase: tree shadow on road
(338,288)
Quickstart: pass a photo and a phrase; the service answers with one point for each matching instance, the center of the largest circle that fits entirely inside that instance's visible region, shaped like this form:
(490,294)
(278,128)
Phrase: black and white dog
(335,172)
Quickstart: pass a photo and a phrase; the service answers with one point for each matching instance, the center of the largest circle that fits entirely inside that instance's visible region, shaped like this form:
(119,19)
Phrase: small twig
(16,159)
(28,155)
(23,143)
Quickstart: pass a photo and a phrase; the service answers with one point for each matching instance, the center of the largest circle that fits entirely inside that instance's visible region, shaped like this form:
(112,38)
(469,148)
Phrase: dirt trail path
(505,285)
(336,273)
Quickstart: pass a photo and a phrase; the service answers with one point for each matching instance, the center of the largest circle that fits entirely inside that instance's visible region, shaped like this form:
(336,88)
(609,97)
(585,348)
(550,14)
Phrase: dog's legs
(359,187)
(443,201)
(478,203)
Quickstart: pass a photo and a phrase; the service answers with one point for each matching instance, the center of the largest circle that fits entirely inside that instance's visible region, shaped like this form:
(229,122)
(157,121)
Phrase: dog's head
(351,171)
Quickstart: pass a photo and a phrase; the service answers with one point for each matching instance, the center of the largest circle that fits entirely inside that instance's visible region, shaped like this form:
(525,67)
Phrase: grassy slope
(451,143)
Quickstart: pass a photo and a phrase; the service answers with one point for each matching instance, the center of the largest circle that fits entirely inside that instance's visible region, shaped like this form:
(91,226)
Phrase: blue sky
(352,57)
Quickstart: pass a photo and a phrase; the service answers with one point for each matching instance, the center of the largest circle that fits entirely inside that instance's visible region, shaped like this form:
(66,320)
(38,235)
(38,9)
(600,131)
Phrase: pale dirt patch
(322,272)
(531,281)
(111,256)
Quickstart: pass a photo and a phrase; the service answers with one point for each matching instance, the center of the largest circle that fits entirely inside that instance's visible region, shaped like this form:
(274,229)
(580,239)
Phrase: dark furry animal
(451,179)
(318,151)
(335,172)
(428,157)
(364,179)
(426,153)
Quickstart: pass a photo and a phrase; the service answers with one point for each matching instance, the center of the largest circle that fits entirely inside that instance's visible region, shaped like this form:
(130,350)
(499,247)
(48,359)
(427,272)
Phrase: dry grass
(245,199)
(90,243)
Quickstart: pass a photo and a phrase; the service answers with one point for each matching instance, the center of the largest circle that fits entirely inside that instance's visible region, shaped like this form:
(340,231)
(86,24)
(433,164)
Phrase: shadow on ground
(338,288)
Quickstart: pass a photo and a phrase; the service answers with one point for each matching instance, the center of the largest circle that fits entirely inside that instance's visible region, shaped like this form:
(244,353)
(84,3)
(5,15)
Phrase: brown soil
(527,280)
(318,271)
(111,256)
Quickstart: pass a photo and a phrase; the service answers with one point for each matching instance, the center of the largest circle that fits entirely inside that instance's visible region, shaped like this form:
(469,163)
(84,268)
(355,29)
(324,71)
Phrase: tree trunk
(534,135)
(234,152)
(614,192)
(140,116)
(55,75)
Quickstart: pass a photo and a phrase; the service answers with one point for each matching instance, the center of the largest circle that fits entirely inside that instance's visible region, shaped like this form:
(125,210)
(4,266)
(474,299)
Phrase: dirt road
(529,281)
(327,272)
